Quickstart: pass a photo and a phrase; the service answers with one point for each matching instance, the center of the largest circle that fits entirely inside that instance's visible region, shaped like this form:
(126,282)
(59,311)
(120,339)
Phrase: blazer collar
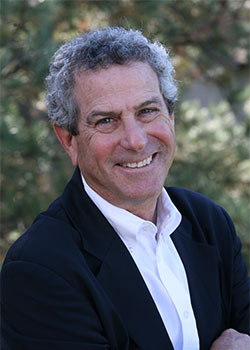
(96,232)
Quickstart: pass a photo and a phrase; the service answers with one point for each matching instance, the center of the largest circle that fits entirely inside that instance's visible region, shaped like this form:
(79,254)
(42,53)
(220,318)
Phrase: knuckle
(230,331)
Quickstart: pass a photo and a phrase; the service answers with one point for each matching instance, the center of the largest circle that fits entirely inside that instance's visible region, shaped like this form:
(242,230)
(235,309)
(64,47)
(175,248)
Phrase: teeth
(139,164)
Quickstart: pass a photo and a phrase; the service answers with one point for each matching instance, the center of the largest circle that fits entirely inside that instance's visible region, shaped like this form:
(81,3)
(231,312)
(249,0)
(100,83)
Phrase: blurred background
(209,46)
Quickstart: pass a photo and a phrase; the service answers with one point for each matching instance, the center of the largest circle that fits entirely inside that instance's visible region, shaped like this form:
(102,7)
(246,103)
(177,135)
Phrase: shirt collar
(128,225)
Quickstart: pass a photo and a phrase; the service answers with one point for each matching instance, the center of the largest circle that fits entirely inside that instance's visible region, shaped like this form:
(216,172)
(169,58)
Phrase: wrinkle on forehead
(103,91)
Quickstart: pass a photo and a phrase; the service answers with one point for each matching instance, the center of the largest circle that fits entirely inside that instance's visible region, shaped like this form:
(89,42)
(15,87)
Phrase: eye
(148,110)
(106,125)
(148,114)
(104,121)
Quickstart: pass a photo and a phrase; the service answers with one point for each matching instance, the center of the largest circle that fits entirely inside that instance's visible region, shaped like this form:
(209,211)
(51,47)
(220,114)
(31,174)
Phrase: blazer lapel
(124,284)
(201,264)
(116,270)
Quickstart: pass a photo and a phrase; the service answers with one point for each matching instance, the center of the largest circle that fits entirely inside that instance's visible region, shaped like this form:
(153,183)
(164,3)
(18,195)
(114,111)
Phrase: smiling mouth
(140,164)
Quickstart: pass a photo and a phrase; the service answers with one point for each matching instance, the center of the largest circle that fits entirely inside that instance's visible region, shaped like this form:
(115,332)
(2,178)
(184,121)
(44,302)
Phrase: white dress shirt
(158,262)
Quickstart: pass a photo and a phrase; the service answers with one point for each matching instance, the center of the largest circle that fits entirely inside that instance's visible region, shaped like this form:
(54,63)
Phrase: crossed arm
(230,339)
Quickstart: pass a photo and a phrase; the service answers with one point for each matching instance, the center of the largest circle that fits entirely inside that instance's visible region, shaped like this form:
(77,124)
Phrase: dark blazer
(69,282)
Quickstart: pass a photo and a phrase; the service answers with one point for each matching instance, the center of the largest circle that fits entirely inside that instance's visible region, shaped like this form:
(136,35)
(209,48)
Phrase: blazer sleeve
(240,286)
(42,311)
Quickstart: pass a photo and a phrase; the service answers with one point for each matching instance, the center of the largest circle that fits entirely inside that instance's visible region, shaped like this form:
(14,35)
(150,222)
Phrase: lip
(137,164)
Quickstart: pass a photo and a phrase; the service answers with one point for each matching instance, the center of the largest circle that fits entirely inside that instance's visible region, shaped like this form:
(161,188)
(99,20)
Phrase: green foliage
(212,158)
(207,38)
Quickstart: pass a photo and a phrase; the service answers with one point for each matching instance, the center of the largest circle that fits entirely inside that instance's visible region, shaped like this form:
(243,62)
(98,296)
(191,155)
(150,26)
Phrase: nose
(134,136)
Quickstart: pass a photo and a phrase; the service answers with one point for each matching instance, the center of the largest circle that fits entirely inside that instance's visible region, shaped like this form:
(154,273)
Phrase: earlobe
(68,142)
(172,117)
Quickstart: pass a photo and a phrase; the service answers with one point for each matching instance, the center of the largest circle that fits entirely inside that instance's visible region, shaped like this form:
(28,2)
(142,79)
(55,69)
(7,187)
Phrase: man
(117,261)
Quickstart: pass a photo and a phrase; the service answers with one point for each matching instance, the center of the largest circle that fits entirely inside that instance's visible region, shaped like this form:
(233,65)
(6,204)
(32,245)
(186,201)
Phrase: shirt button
(185,314)
(130,249)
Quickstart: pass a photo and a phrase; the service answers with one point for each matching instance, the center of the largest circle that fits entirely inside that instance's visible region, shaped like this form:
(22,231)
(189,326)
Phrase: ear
(172,118)
(68,142)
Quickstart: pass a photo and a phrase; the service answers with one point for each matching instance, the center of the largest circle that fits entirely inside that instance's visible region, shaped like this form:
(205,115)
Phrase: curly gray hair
(97,49)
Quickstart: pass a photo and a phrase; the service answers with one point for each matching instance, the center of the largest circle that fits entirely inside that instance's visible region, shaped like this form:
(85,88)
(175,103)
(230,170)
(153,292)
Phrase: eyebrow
(153,100)
(97,113)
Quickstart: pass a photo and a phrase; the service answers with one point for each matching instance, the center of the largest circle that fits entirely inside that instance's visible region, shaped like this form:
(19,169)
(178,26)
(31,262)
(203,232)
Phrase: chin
(140,196)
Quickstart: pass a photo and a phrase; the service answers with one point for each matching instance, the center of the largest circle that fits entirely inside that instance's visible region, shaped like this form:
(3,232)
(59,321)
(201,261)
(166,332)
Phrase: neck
(145,212)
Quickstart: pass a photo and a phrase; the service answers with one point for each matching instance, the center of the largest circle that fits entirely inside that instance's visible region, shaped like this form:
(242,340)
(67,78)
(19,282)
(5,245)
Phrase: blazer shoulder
(50,241)
(204,214)
(186,198)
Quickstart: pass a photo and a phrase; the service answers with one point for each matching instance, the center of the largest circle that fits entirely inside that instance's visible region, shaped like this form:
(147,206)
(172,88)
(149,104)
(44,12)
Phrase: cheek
(163,129)
(100,149)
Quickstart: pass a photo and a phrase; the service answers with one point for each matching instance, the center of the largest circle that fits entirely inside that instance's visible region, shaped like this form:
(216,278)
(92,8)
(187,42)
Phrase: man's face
(126,139)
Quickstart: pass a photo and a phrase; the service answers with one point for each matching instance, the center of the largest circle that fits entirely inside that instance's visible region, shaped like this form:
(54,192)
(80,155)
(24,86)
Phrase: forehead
(116,84)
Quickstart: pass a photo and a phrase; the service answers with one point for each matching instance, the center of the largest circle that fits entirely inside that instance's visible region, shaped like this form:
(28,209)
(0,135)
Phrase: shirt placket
(179,296)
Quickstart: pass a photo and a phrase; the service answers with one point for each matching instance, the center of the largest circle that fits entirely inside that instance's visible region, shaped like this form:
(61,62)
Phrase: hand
(230,339)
